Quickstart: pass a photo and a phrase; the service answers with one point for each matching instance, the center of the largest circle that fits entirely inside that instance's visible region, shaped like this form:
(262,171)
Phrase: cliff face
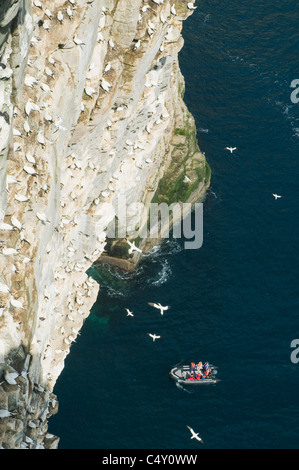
(91,114)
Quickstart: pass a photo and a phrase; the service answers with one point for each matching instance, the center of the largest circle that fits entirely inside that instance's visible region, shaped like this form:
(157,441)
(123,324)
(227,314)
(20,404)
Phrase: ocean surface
(234,301)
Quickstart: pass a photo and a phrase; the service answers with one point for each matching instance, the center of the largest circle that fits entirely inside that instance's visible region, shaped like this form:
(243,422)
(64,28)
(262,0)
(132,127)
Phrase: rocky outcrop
(91,115)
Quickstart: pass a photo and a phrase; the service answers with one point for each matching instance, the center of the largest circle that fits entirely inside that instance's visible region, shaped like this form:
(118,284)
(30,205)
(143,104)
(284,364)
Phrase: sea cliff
(91,113)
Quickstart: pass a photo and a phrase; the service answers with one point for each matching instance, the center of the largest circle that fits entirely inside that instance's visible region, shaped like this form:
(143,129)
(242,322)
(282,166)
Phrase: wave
(163,275)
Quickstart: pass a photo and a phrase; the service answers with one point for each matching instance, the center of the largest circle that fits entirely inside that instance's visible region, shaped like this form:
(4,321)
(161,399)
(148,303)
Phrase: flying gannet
(195,435)
(191,6)
(231,149)
(277,196)
(159,307)
(129,313)
(133,247)
(154,336)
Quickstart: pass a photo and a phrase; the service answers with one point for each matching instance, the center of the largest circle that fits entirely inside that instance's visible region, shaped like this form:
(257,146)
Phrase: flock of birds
(156,305)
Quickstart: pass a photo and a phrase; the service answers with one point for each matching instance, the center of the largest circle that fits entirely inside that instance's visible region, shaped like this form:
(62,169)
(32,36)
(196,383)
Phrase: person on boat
(191,377)
(206,368)
(199,367)
(192,368)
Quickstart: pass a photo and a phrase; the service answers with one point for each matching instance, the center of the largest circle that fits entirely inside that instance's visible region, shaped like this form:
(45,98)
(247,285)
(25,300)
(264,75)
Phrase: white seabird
(277,196)
(195,435)
(10,251)
(173,10)
(154,336)
(108,67)
(69,12)
(30,158)
(4,226)
(21,198)
(60,17)
(26,127)
(159,306)
(89,91)
(49,72)
(38,4)
(129,313)
(31,171)
(133,247)
(191,6)
(187,180)
(4,289)
(30,81)
(78,41)
(48,13)
(42,217)
(105,85)
(16,223)
(10,377)
(16,303)
(137,45)
(231,149)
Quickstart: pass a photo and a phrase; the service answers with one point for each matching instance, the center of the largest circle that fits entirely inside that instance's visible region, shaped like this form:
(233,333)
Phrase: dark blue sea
(234,301)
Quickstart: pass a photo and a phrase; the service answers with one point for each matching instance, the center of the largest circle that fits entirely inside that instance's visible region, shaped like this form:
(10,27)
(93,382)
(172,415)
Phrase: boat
(181,374)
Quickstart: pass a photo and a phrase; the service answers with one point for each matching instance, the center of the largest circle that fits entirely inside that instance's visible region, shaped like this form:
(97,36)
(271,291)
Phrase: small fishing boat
(182,375)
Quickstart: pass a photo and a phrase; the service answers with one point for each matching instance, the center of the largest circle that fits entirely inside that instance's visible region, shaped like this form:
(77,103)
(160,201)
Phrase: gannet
(11,180)
(173,10)
(16,223)
(231,149)
(187,180)
(48,13)
(159,307)
(10,251)
(16,133)
(69,12)
(129,313)
(154,336)
(16,303)
(191,6)
(29,170)
(30,81)
(111,43)
(133,247)
(105,85)
(40,138)
(38,4)
(42,217)
(26,127)
(4,289)
(49,72)
(276,196)
(78,41)
(195,435)
(4,226)
(137,45)
(60,17)
(30,106)
(108,67)
(21,198)
(45,87)
(89,91)
(10,377)
(30,158)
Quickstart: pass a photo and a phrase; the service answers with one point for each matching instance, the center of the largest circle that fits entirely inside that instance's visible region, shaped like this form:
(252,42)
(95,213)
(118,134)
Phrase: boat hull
(180,374)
